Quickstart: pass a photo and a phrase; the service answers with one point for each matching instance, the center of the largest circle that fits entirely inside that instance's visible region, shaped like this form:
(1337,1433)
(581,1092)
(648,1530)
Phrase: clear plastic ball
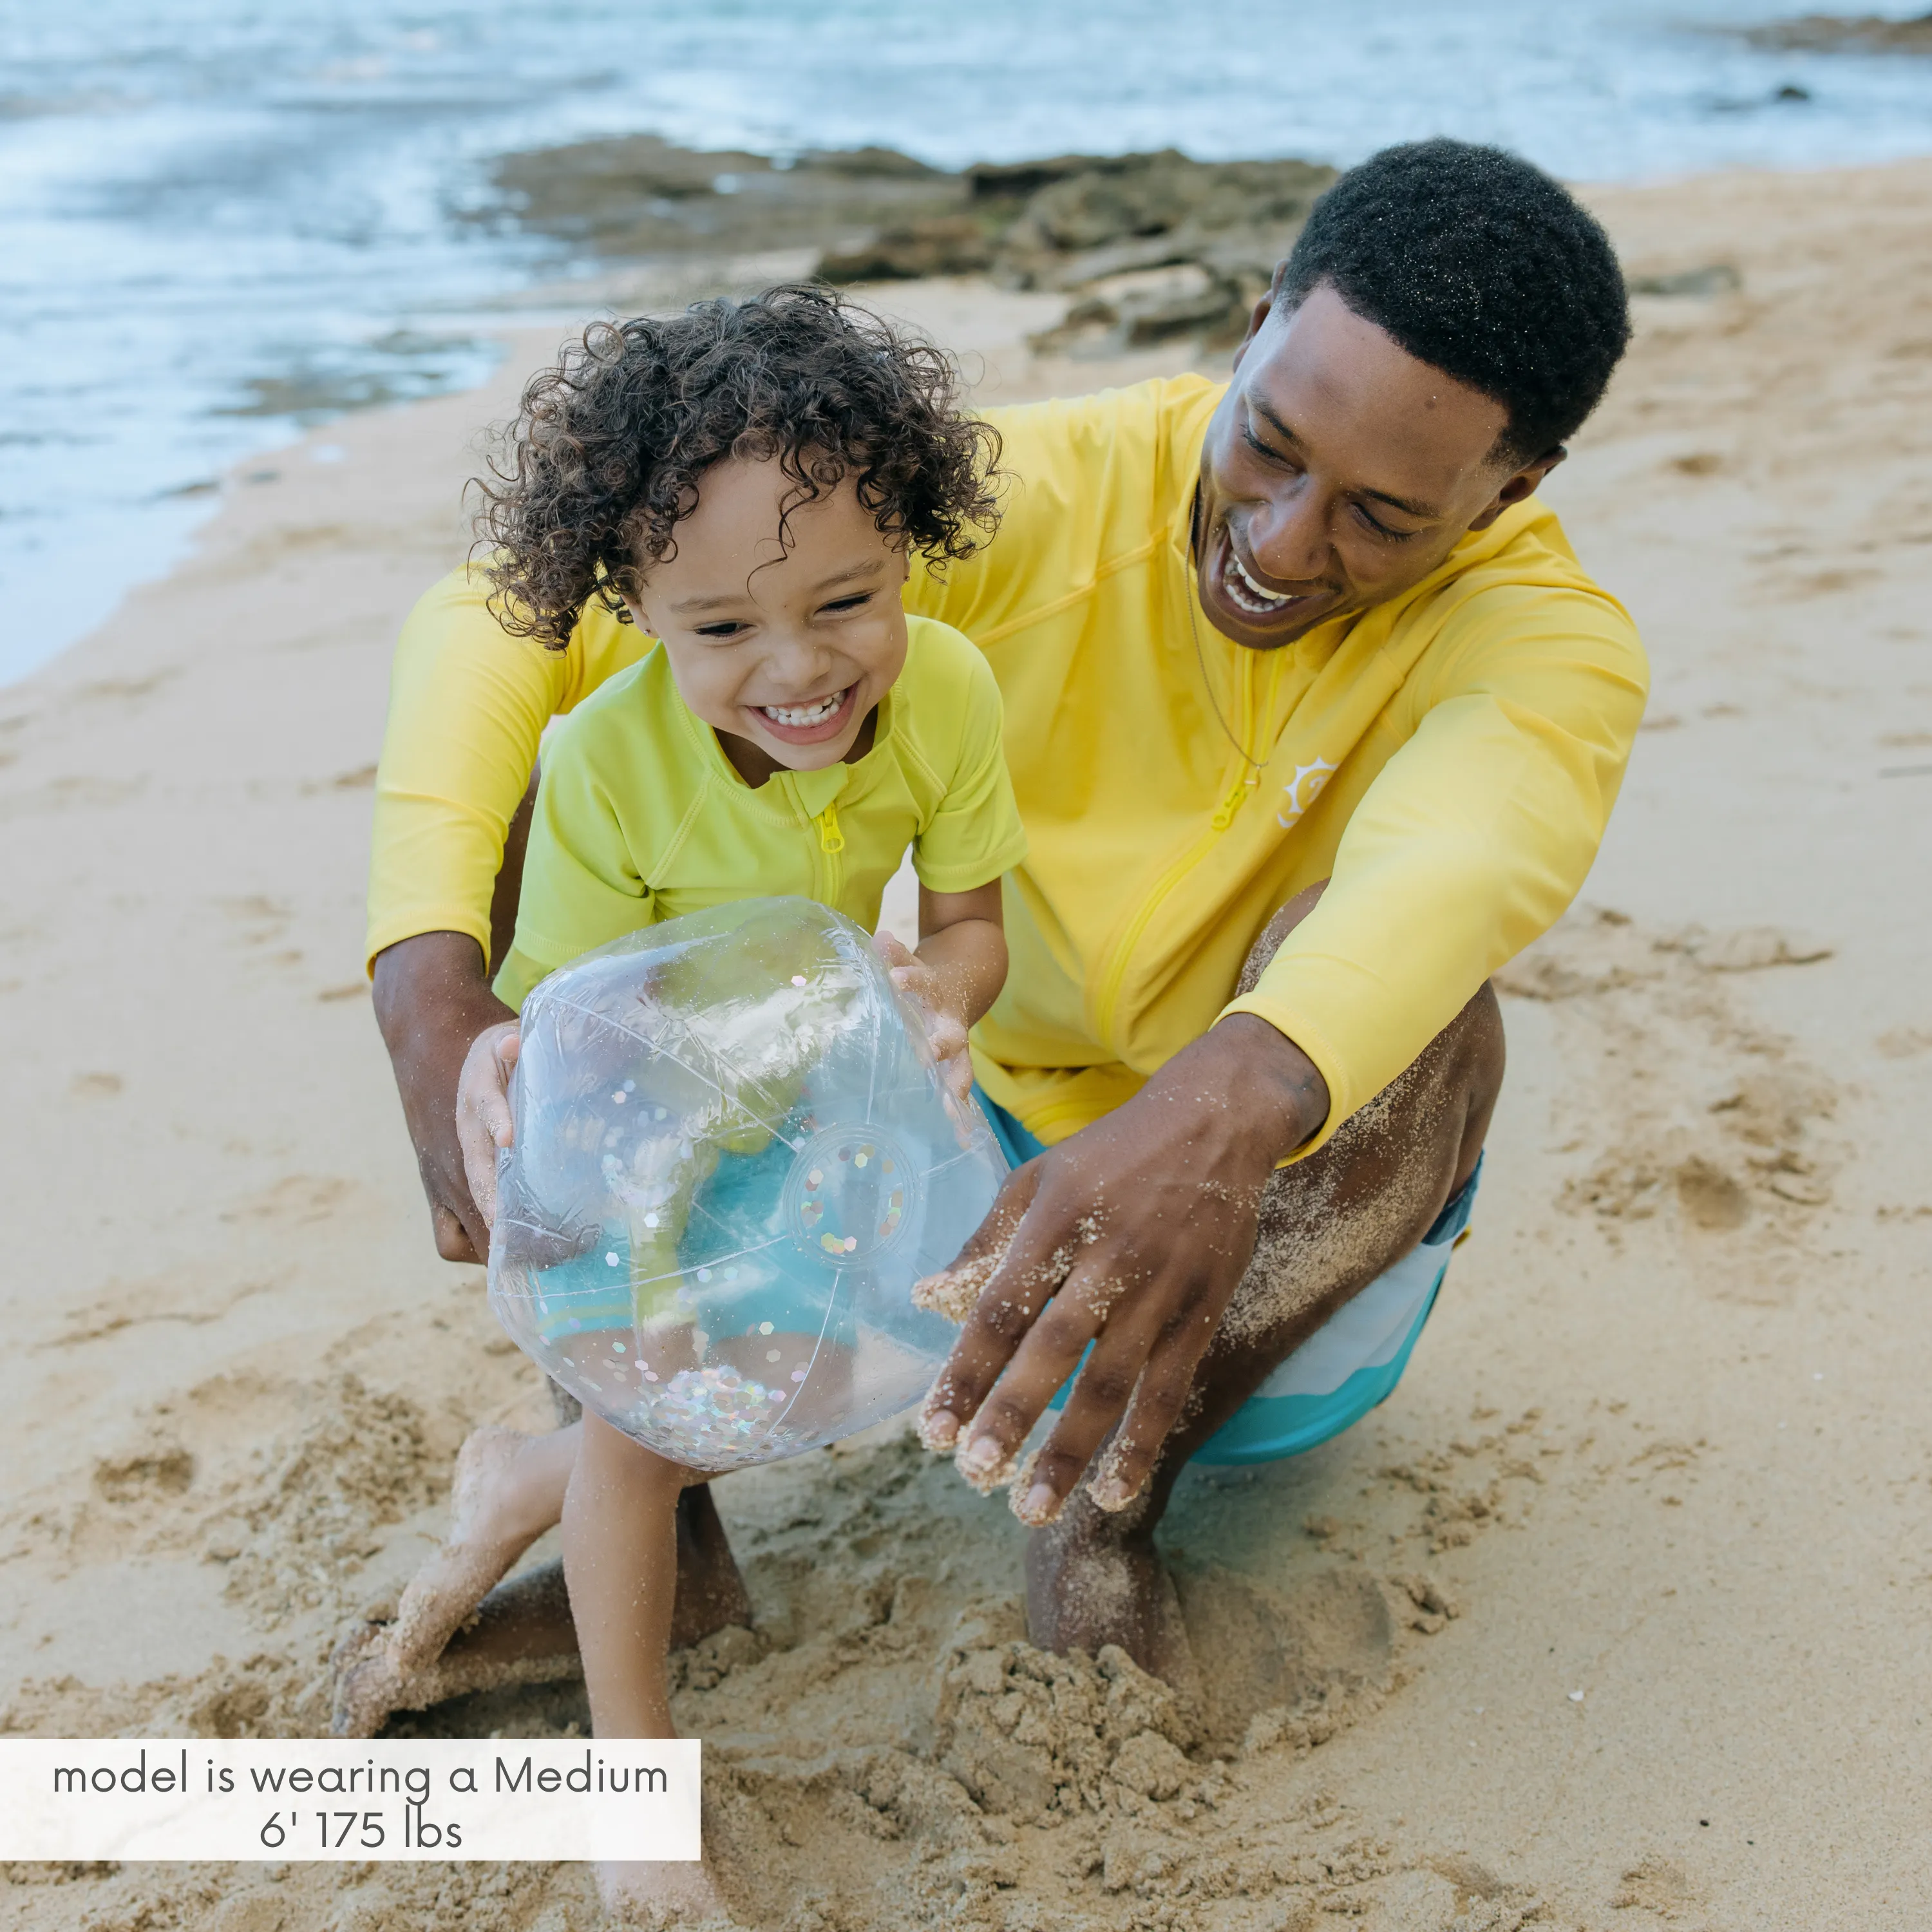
(733,1156)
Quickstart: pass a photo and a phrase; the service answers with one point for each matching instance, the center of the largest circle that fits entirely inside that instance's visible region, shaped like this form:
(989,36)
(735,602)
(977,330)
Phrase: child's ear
(640,616)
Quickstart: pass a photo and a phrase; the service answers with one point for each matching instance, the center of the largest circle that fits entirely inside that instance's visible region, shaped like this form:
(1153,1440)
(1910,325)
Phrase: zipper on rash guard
(1246,780)
(1116,968)
(831,844)
(1224,812)
(1250,775)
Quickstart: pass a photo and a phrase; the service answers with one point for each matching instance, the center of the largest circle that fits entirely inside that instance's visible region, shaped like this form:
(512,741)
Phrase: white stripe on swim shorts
(1368,1332)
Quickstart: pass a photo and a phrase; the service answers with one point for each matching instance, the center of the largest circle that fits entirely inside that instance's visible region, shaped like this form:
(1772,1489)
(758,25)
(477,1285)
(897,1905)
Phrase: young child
(745,483)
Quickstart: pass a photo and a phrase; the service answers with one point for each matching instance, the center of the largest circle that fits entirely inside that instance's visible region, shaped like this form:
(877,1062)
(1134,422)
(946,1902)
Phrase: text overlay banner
(545,1799)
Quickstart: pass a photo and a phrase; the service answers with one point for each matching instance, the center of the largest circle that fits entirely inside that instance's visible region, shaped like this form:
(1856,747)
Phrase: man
(1314,720)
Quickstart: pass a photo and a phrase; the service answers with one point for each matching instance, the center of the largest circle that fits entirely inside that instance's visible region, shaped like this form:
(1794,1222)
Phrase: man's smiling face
(1338,471)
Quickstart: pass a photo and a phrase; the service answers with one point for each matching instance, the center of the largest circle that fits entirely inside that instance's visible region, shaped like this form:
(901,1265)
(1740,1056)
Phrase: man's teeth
(1270,599)
(798,716)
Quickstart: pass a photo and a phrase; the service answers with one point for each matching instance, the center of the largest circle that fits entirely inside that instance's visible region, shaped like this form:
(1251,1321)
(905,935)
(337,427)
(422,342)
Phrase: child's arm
(957,973)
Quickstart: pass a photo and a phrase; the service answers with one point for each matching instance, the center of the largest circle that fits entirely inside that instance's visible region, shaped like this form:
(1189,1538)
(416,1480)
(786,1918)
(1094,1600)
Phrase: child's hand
(945,1026)
(483,1123)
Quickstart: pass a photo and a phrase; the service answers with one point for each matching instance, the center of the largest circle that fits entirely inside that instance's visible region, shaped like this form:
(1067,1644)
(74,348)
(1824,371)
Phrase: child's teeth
(797,714)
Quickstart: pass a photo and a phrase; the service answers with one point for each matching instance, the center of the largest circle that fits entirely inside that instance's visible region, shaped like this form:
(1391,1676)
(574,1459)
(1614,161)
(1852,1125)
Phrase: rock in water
(1096,226)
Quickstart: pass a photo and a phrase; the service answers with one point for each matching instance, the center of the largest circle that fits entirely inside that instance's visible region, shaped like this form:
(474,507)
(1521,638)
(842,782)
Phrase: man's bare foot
(1094,1579)
(711,1593)
(661,1895)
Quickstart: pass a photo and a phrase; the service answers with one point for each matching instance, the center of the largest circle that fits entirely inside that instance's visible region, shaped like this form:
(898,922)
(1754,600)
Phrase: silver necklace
(1255,765)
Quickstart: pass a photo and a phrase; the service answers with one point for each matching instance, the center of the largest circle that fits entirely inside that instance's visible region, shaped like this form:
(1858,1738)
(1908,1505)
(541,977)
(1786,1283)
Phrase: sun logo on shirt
(1303,790)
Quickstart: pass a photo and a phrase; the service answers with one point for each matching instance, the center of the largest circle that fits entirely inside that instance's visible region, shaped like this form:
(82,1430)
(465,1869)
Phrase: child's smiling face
(783,647)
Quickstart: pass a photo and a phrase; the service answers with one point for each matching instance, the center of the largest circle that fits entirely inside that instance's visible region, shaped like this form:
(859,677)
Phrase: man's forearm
(432,999)
(508,892)
(422,984)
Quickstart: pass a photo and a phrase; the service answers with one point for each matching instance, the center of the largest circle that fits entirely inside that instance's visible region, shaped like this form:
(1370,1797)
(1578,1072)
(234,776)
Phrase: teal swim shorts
(1351,1364)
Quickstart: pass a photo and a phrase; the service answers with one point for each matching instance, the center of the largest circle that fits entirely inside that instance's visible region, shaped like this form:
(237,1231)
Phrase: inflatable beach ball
(733,1157)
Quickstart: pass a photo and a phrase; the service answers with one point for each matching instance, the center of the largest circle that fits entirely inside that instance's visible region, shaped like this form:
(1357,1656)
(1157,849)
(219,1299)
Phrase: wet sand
(1617,1615)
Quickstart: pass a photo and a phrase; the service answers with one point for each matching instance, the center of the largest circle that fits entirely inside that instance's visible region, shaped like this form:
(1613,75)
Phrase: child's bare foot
(364,1685)
(508,1490)
(521,1634)
(660,1894)
(445,1642)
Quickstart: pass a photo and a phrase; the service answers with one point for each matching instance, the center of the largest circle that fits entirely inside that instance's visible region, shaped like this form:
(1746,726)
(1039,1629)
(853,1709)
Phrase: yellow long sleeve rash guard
(1448,760)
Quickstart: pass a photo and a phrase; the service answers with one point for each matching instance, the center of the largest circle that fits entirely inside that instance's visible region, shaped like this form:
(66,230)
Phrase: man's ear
(1257,318)
(1526,482)
(1258,315)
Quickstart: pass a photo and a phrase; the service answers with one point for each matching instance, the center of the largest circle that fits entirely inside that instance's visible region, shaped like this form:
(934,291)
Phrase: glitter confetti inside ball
(733,1157)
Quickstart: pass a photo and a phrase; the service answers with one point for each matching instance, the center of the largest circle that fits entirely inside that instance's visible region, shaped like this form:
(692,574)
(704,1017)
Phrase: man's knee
(1440,1104)
(1467,1056)
(1482,1055)
(1331,1223)
(1276,930)
(1417,1140)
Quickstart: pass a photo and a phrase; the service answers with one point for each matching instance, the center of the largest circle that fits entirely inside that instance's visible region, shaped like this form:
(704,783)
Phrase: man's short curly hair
(1480,265)
(607,453)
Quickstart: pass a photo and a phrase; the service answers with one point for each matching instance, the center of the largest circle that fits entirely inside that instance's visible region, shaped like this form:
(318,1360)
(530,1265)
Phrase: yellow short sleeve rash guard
(641,816)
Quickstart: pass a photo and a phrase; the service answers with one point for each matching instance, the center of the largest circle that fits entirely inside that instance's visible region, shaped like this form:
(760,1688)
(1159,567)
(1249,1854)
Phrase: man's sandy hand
(1133,1235)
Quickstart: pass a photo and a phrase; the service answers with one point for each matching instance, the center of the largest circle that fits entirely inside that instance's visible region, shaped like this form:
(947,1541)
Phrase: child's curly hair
(605,456)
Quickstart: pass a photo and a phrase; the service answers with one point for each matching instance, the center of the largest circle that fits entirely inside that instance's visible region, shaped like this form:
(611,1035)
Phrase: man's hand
(432,999)
(1133,1235)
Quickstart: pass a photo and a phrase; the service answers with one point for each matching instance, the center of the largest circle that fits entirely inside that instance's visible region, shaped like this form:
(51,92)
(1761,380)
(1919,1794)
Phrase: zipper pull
(830,838)
(1224,814)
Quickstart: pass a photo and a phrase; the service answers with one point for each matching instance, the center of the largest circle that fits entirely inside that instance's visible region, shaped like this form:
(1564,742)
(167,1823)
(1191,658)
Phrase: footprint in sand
(1710,1198)
(1660,1884)
(144,1474)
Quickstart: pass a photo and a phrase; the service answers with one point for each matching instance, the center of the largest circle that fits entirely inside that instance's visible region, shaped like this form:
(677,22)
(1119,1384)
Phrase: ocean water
(222,220)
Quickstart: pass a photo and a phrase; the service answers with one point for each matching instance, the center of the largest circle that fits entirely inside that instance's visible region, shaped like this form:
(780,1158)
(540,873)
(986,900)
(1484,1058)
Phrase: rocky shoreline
(1149,247)
(1856,33)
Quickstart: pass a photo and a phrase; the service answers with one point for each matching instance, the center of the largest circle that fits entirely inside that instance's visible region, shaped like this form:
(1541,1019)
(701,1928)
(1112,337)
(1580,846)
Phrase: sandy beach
(1618,1615)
